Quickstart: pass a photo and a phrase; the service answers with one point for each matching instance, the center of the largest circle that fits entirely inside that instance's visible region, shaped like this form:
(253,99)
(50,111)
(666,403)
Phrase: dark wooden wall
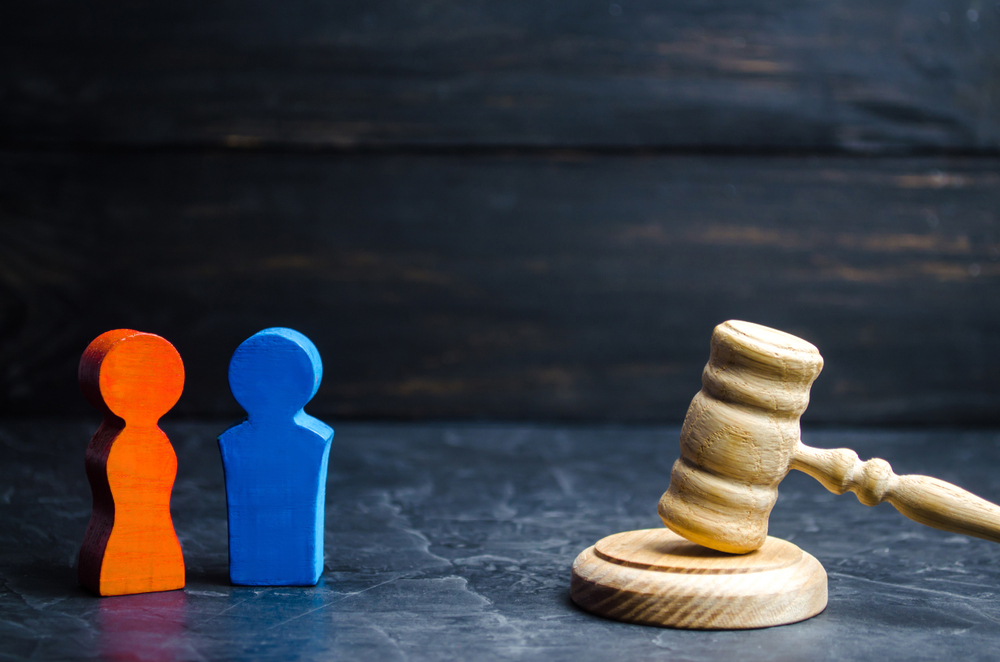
(509,210)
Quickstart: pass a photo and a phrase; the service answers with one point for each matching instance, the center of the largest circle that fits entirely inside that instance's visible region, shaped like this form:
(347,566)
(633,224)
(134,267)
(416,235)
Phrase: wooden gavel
(741,437)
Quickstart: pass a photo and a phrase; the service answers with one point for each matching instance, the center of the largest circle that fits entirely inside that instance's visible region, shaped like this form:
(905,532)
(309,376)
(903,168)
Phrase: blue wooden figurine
(276,462)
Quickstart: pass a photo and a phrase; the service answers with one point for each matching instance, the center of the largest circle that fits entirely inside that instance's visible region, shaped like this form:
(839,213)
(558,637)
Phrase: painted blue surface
(276,462)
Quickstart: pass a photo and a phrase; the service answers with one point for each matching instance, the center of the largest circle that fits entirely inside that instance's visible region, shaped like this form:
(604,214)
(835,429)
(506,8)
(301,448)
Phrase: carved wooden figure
(130,545)
(276,462)
(740,438)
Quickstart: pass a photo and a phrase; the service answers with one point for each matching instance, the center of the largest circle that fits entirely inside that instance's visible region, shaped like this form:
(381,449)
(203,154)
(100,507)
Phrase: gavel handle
(923,499)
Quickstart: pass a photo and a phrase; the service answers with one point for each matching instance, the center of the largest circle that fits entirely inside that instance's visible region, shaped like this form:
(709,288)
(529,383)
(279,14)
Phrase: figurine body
(276,463)
(130,545)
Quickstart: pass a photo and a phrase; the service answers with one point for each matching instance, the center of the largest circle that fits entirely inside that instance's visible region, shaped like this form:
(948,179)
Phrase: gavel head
(739,436)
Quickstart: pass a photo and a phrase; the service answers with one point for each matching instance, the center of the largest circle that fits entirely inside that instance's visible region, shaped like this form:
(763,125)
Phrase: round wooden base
(655,577)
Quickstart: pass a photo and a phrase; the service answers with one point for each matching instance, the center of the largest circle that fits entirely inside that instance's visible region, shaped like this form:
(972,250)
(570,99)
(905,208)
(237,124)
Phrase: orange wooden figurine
(130,545)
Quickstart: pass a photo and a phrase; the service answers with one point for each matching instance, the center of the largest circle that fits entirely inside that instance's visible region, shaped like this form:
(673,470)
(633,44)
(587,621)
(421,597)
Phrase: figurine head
(275,372)
(135,376)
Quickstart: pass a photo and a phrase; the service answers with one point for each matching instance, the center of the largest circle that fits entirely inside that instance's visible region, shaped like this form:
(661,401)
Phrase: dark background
(507,210)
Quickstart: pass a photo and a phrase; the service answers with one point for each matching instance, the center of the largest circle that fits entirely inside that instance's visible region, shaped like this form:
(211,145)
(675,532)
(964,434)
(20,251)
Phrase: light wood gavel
(741,437)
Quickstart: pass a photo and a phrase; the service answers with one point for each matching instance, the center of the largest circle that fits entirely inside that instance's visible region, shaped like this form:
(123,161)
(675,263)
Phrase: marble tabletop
(454,542)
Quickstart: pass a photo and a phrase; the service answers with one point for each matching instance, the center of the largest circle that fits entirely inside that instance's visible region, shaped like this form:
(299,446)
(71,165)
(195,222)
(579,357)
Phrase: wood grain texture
(276,462)
(741,437)
(923,499)
(773,74)
(571,287)
(655,577)
(130,545)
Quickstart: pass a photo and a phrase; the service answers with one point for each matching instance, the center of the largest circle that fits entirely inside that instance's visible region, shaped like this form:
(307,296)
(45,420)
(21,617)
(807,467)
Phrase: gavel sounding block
(655,577)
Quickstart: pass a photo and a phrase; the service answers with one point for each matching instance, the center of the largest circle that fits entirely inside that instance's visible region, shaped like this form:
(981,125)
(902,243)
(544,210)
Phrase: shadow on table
(44,582)
(209,577)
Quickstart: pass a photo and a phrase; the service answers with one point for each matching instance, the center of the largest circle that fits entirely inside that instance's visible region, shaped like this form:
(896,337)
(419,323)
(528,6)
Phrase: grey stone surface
(454,542)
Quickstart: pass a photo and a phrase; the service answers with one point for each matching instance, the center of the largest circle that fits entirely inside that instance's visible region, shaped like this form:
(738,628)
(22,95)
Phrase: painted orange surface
(130,545)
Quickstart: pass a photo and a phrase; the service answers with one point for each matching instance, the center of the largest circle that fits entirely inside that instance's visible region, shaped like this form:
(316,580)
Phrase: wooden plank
(572,287)
(752,74)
